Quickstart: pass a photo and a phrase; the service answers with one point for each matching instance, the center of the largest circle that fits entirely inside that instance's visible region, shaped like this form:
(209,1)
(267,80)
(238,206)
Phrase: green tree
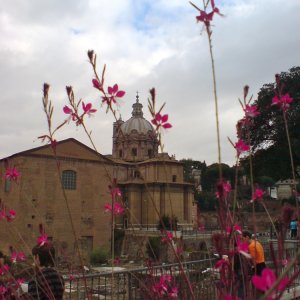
(267,132)
(210,176)
(189,165)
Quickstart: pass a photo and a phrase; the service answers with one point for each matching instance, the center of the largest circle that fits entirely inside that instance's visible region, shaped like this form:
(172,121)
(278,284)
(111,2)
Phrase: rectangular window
(7,185)
(134,152)
(120,153)
(69,180)
(174,178)
(150,153)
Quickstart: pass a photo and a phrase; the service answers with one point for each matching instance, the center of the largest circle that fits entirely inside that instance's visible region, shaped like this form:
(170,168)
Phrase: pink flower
(17,257)
(20,281)
(266,281)
(222,263)
(67,110)
(241,147)
(206,18)
(236,228)
(224,188)
(161,287)
(168,237)
(161,121)
(165,278)
(2,214)
(115,192)
(258,195)
(174,292)
(11,215)
(251,111)
(117,261)
(3,290)
(88,108)
(283,102)
(97,84)
(12,173)
(164,288)
(118,208)
(42,239)
(242,247)
(114,93)
(227,187)
(4,270)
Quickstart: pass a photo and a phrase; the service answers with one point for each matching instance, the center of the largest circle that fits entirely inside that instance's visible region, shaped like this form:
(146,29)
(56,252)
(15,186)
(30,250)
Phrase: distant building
(284,188)
(150,182)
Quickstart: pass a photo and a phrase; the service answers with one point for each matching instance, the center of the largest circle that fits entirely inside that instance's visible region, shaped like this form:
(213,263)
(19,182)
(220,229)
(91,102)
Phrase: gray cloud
(154,43)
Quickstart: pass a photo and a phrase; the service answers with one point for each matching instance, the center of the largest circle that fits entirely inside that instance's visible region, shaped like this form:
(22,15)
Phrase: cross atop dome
(137,107)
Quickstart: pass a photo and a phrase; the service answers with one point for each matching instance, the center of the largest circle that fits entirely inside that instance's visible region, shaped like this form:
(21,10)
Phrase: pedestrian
(294,227)
(47,283)
(256,251)
(1,258)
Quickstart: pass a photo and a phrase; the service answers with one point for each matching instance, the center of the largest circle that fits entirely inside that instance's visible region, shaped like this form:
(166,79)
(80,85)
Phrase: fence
(137,283)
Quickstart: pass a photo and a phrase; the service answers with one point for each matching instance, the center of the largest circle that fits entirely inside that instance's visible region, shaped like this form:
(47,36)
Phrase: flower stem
(215,98)
(291,158)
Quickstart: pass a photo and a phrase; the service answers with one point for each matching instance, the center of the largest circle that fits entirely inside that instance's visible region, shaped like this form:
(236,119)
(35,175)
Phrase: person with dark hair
(47,283)
(256,251)
(1,258)
(294,227)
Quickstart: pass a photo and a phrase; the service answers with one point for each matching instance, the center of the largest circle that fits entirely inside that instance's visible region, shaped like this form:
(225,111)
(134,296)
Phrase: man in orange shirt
(256,251)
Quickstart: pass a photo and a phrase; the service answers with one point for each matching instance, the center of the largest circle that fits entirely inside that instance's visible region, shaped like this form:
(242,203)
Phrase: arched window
(69,180)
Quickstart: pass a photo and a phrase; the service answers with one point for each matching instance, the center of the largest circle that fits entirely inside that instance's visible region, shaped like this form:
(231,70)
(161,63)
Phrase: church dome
(137,122)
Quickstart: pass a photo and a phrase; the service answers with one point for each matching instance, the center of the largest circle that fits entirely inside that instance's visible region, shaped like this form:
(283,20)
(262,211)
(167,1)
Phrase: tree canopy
(267,131)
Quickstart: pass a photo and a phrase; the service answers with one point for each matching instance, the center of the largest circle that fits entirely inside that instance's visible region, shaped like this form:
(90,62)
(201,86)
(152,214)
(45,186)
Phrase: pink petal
(115,88)
(259,283)
(67,110)
(283,283)
(120,94)
(158,117)
(164,118)
(167,125)
(268,277)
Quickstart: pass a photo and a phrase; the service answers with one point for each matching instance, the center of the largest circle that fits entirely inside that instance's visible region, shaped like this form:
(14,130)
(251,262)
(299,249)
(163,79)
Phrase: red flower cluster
(118,208)
(205,17)
(73,114)
(283,102)
(10,215)
(161,121)
(164,288)
(12,173)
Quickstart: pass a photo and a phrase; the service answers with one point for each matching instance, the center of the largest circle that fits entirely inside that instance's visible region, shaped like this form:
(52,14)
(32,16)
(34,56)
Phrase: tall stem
(291,158)
(216,100)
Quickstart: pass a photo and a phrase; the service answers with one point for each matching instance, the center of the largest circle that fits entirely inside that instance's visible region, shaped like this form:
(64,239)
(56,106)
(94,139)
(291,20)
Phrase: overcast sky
(145,44)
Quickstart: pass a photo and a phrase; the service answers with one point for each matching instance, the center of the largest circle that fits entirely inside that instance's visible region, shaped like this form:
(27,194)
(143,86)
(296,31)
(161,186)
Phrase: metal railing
(137,283)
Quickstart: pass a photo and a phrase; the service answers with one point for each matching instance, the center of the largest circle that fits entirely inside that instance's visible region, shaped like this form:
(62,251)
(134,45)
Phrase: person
(1,258)
(293,226)
(256,251)
(47,283)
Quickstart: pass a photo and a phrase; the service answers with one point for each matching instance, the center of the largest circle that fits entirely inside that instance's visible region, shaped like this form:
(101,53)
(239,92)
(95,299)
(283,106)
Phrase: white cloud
(145,44)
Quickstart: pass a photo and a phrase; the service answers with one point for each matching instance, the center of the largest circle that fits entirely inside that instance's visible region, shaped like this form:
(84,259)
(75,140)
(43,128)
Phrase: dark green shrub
(169,223)
(99,256)
(154,247)
(118,238)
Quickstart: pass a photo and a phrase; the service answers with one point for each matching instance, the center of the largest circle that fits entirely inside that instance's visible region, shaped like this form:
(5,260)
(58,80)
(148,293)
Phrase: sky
(144,44)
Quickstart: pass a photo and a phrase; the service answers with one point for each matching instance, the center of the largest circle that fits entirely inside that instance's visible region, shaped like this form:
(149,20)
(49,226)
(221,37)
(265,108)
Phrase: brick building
(150,182)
